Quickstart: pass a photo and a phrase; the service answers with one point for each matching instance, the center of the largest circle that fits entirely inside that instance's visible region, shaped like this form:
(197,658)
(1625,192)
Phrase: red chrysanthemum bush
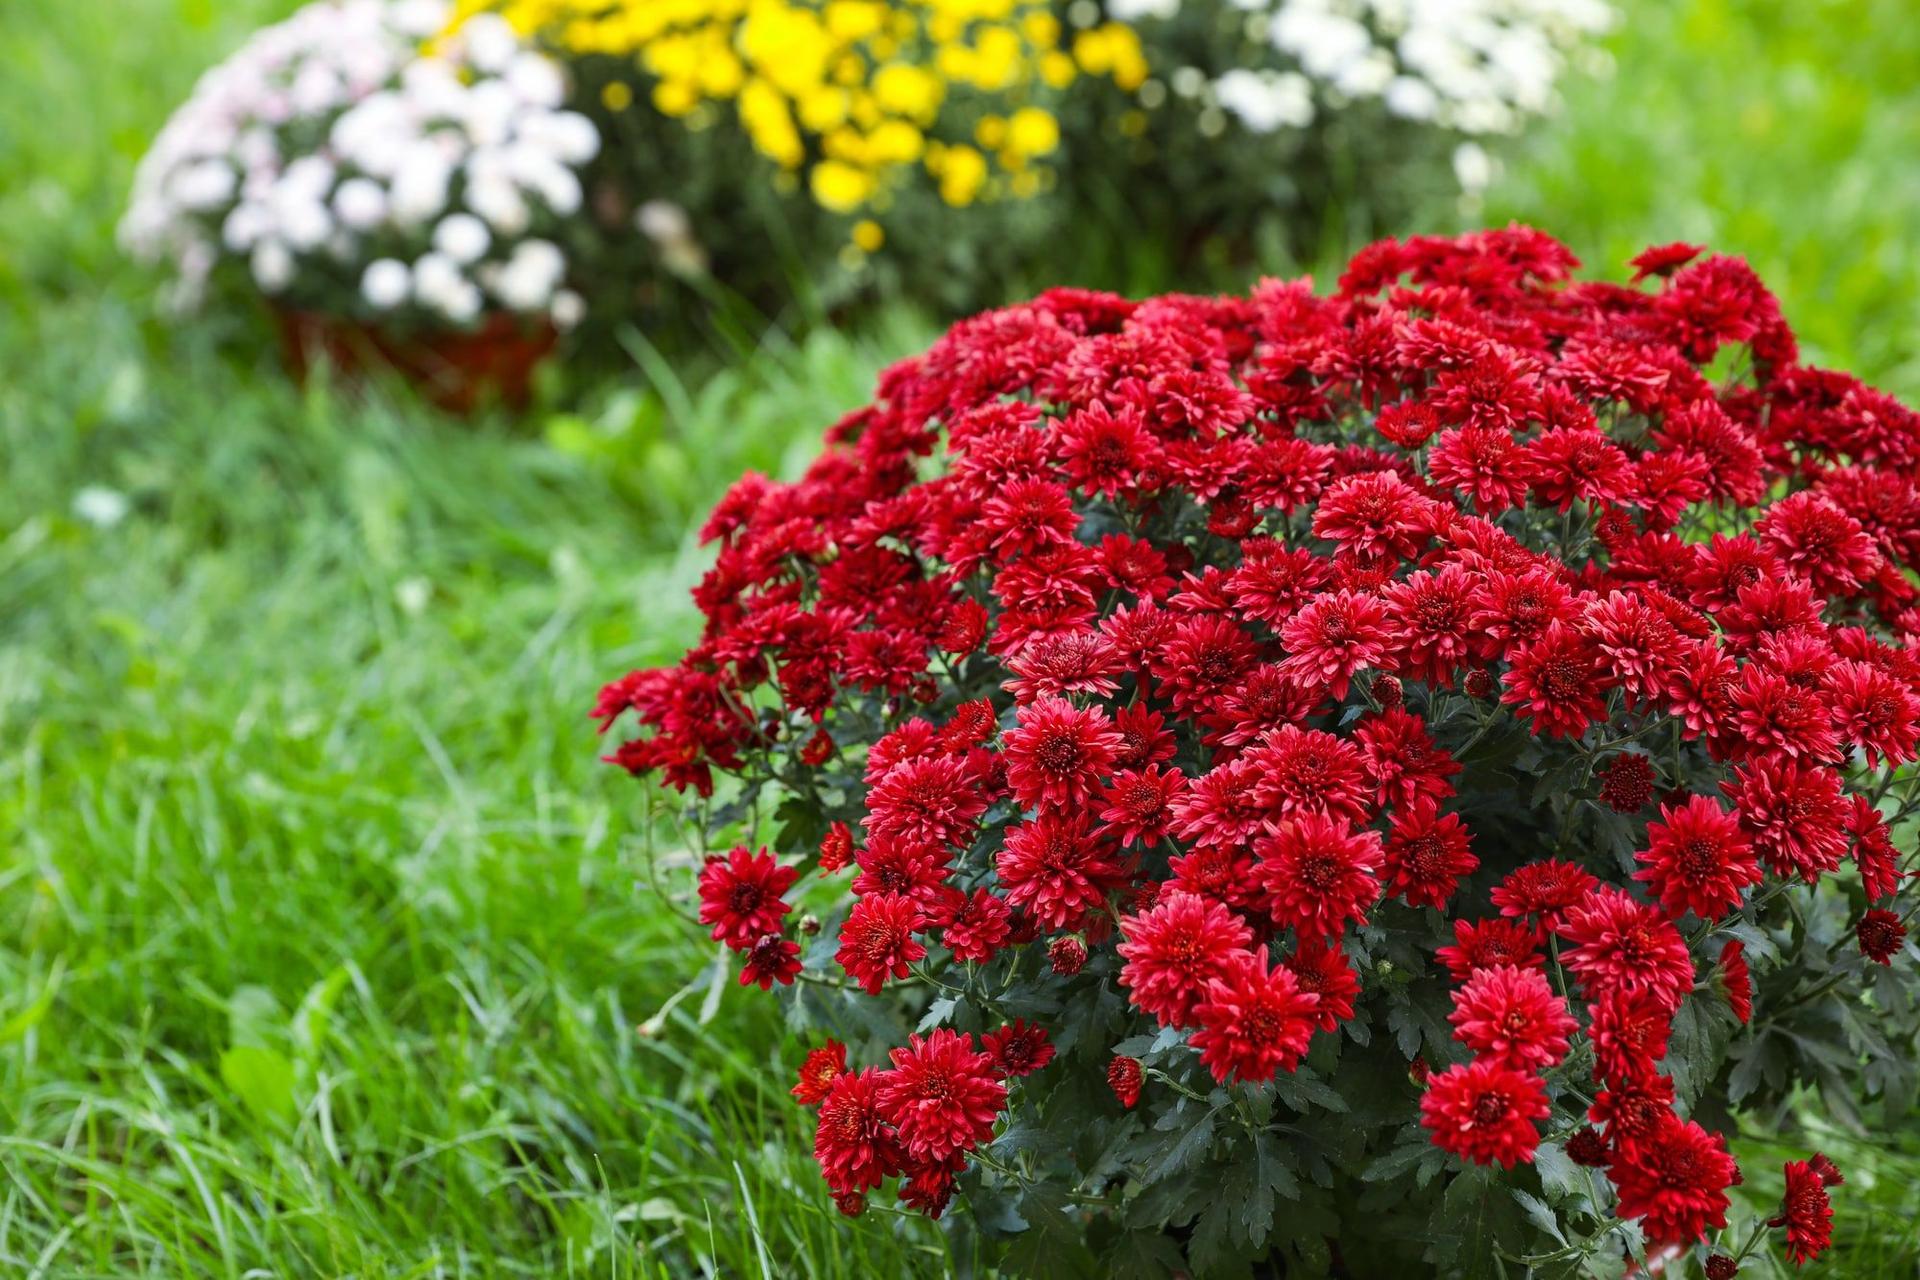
(1392,773)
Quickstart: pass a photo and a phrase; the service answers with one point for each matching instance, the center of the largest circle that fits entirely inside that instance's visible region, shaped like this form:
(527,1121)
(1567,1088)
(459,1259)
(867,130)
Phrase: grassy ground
(327,953)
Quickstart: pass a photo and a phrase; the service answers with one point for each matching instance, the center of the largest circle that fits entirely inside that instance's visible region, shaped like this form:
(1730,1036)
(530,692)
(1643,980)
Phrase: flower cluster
(356,174)
(1478,67)
(1271,696)
(852,94)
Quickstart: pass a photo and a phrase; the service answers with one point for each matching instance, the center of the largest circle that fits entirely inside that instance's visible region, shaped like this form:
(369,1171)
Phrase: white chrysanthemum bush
(352,163)
(1267,123)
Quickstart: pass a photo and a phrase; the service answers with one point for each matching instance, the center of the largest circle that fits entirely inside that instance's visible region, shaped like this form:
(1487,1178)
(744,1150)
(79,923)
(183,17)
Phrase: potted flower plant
(396,197)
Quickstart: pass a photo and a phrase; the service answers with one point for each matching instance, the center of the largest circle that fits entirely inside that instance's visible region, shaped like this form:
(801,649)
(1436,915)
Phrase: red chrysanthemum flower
(1254,1021)
(1588,1148)
(1874,711)
(929,1187)
(1697,859)
(1736,980)
(854,1145)
(1332,637)
(971,724)
(770,960)
(1401,758)
(1273,582)
(1620,944)
(1510,1015)
(1018,1049)
(1629,1034)
(1626,782)
(979,928)
(1542,891)
(1674,1180)
(1223,806)
(1633,1109)
(1067,955)
(877,942)
(818,1072)
(1174,950)
(1557,683)
(1663,259)
(1805,1212)
(740,896)
(1431,619)
(1881,935)
(836,848)
(1139,804)
(1318,873)
(1427,853)
(1770,713)
(942,1096)
(1123,1077)
(1374,517)
(1815,539)
(1203,658)
(900,866)
(1322,969)
(1055,869)
(1310,771)
(1058,752)
(1485,1112)
(1636,642)
(1873,850)
(1794,814)
(1486,943)
(930,801)
(1517,608)
(1144,738)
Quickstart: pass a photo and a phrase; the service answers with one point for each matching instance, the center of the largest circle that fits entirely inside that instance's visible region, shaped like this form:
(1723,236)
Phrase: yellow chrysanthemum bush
(844,142)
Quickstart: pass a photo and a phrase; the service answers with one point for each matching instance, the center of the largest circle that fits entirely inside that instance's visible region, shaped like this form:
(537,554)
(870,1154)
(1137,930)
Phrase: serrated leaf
(937,1013)
(1393,1163)
(1144,1255)
(1305,1092)
(1192,1133)
(1213,1241)
(1559,1175)
(1539,1213)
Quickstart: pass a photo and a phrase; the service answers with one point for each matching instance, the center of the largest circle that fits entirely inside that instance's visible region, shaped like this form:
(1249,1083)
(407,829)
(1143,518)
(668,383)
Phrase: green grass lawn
(330,944)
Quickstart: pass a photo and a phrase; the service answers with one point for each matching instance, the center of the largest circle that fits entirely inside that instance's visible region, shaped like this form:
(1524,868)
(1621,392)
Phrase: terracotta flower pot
(456,369)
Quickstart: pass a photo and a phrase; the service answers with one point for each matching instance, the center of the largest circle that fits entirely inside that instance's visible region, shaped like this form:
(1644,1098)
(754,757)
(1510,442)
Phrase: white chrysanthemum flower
(206,184)
(245,226)
(462,237)
(569,309)
(494,197)
(272,265)
(490,42)
(536,81)
(386,283)
(1266,100)
(360,204)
